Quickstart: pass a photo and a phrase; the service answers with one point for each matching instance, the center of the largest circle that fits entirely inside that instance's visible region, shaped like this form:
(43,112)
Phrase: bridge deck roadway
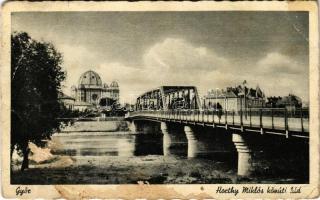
(293,126)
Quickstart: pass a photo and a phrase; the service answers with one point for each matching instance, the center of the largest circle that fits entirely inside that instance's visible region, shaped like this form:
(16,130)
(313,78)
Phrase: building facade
(234,98)
(66,101)
(91,89)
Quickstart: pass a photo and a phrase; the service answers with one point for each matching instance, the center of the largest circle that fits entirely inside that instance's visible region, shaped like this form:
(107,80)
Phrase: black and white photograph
(167,97)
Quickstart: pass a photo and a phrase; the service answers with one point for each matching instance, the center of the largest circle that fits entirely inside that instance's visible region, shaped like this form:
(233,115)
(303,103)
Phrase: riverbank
(47,168)
(97,126)
(153,169)
(121,170)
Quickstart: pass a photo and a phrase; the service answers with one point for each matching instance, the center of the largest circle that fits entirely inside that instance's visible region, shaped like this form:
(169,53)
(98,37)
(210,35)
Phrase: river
(102,153)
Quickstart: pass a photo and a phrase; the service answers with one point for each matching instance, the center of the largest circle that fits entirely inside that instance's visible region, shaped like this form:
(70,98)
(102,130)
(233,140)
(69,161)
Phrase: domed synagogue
(91,88)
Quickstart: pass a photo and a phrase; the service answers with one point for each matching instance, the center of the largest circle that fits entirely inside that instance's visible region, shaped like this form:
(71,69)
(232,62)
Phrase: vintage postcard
(160,100)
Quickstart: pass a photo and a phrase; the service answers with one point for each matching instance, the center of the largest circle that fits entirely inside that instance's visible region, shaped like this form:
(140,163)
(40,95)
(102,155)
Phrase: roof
(81,86)
(90,78)
(114,84)
(221,94)
(170,89)
(289,100)
(62,95)
(234,92)
(257,93)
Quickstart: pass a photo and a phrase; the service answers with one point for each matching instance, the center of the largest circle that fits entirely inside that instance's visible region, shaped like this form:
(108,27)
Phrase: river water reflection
(109,144)
(102,139)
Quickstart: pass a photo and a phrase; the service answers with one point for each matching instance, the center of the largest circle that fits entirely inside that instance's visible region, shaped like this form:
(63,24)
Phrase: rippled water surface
(109,144)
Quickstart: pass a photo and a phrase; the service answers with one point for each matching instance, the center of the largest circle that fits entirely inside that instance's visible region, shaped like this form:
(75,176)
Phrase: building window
(94,97)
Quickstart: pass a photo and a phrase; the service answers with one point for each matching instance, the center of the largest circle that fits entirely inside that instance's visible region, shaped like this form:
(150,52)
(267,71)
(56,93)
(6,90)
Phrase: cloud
(178,62)
(275,62)
(131,48)
(174,54)
(175,61)
(278,75)
(169,62)
(76,60)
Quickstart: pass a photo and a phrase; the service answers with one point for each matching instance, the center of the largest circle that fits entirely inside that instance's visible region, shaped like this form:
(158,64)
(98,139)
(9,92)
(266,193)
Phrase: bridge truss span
(168,98)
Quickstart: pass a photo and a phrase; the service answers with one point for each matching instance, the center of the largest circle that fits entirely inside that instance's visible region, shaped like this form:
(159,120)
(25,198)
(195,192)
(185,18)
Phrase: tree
(36,77)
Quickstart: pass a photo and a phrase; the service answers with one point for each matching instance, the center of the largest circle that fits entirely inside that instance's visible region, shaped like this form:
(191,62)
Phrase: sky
(144,50)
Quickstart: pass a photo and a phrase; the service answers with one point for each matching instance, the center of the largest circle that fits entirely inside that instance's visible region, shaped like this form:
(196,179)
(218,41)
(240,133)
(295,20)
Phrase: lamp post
(217,98)
(245,98)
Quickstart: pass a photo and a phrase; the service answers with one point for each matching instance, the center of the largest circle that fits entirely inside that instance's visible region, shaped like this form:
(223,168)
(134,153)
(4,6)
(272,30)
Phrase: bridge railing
(261,118)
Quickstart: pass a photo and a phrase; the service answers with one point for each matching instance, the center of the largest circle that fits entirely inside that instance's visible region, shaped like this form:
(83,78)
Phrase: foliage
(67,116)
(36,77)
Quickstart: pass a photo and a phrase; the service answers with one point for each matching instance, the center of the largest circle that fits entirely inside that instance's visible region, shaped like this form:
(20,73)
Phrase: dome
(90,78)
(114,84)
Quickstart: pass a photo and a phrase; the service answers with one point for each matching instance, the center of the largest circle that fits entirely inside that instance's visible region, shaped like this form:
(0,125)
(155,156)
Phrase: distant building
(90,90)
(232,98)
(82,106)
(113,91)
(272,102)
(291,102)
(66,100)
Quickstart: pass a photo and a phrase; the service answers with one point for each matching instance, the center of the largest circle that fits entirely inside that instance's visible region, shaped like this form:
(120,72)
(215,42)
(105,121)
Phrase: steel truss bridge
(181,105)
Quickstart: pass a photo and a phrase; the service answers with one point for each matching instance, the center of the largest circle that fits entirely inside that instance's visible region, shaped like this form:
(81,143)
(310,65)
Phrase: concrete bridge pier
(133,127)
(167,140)
(244,154)
(192,142)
